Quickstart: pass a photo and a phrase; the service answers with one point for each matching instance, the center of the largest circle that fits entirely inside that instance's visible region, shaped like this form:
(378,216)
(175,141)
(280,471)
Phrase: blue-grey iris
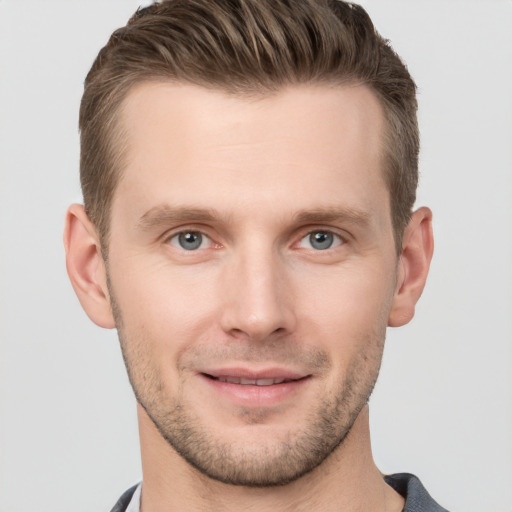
(321,240)
(190,240)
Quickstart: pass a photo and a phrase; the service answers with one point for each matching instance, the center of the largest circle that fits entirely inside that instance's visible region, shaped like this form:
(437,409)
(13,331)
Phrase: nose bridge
(257,296)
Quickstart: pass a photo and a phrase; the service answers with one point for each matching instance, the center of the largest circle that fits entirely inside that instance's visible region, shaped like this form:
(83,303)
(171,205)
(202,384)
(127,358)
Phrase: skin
(255,177)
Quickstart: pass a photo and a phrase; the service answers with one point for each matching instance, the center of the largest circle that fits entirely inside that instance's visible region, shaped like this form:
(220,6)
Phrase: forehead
(314,145)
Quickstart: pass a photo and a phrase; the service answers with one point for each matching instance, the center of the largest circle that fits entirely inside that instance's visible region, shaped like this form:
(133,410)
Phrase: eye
(190,240)
(320,240)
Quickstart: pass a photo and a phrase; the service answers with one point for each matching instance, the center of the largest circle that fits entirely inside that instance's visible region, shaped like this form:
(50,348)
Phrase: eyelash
(335,238)
(176,236)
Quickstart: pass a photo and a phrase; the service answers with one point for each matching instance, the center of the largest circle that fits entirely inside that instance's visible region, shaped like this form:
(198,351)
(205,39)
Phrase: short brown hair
(246,46)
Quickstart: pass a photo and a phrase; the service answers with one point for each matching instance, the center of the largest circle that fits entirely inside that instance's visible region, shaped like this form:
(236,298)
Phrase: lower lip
(256,396)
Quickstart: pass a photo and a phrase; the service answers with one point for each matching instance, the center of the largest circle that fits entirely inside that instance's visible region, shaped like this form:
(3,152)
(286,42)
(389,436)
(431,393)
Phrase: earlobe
(417,250)
(85,266)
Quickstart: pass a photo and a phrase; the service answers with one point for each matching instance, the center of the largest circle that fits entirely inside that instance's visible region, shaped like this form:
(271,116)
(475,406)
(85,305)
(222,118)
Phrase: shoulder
(124,500)
(417,498)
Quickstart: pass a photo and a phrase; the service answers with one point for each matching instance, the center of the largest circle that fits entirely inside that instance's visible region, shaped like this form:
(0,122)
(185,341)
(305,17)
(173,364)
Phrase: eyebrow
(166,214)
(333,214)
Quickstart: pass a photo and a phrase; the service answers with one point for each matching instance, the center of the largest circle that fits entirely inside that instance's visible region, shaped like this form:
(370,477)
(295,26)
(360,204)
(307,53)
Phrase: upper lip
(250,374)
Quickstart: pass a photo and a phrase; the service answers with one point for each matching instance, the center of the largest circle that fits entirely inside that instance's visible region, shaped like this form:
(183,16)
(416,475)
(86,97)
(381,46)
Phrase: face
(252,271)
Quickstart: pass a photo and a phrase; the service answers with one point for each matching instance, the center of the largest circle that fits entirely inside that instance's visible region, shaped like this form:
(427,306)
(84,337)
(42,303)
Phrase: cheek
(345,308)
(165,307)
(349,290)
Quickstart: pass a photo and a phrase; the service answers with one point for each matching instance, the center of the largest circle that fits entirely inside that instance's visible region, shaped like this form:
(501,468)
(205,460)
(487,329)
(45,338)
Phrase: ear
(417,249)
(86,267)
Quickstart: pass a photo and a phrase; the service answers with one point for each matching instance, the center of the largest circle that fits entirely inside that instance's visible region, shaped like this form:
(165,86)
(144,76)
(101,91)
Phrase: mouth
(245,381)
(255,388)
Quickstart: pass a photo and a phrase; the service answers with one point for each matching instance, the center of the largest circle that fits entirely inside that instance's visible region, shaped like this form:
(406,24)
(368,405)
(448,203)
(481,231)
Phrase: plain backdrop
(443,405)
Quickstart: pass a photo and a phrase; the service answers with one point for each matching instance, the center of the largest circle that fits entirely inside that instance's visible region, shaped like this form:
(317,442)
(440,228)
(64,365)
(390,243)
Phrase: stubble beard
(254,464)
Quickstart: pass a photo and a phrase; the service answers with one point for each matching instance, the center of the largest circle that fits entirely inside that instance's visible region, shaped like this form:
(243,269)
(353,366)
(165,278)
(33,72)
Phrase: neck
(347,480)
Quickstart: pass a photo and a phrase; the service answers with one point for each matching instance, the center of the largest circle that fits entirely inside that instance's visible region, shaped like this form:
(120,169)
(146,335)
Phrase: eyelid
(190,228)
(340,239)
(342,234)
(205,240)
(183,228)
(304,232)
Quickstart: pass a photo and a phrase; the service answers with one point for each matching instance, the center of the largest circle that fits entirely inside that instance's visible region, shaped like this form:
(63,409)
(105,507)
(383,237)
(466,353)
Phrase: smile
(263,388)
(250,382)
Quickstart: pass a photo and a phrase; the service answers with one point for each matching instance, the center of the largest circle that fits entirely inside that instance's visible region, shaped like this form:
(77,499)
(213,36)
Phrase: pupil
(321,240)
(190,240)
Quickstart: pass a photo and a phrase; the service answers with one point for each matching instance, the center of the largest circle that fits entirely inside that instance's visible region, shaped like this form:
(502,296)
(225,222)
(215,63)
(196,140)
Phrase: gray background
(443,405)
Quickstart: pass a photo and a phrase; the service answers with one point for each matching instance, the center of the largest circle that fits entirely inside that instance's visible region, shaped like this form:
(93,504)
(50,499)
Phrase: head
(246,48)
(249,169)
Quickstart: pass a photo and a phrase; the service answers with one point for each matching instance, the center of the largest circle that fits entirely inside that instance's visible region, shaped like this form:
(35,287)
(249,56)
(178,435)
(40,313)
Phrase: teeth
(252,382)
(265,382)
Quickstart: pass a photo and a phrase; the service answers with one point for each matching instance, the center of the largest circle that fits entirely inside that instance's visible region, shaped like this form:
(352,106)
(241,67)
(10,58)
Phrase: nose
(257,296)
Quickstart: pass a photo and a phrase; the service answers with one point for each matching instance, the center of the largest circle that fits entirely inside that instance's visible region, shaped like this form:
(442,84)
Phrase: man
(249,169)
